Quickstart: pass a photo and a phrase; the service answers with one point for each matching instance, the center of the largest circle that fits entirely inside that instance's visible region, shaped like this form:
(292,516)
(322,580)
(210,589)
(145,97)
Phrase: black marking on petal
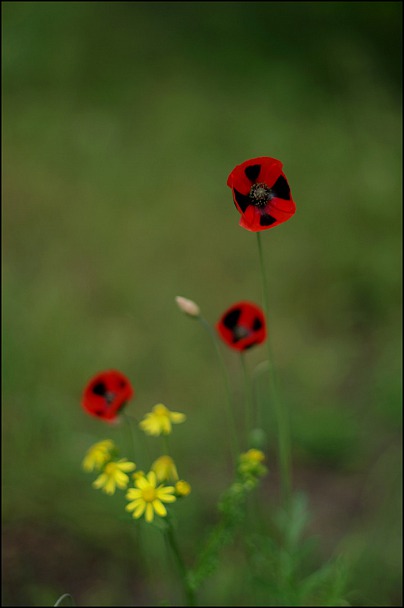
(281,188)
(252,172)
(267,220)
(99,412)
(243,200)
(99,389)
(257,324)
(231,319)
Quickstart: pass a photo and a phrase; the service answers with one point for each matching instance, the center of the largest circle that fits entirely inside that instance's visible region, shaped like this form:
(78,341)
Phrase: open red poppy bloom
(242,326)
(261,193)
(106,394)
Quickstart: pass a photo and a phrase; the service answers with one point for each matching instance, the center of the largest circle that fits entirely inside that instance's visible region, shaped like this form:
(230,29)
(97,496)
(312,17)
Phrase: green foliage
(121,123)
(281,562)
(232,509)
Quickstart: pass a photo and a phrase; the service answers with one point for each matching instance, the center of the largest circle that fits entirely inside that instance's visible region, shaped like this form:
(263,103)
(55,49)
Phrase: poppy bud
(188,306)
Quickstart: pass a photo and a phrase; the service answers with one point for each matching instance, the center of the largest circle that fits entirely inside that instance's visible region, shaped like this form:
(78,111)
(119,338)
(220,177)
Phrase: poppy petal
(270,171)
(241,200)
(281,188)
(231,318)
(257,324)
(281,208)
(252,172)
(251,219)
(267,220)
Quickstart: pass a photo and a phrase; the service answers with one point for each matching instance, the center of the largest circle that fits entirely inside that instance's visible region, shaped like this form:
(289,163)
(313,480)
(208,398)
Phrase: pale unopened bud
(188,306)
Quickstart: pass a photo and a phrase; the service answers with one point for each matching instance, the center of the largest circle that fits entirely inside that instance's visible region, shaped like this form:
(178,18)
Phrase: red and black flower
(242,326)
(261,193)
(106,394)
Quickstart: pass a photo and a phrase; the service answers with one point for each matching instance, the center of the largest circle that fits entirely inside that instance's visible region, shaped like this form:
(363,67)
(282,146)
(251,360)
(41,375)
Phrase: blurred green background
(121,123)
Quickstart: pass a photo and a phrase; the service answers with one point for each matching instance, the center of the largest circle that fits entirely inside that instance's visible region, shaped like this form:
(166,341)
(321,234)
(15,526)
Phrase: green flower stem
(230,408)
(63,597)
(132,434)
(166,444)
(280,411)
(248,398)
(144,446)
(172,541)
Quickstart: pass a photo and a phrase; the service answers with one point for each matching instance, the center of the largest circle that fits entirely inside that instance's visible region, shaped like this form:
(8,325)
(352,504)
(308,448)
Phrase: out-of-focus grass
(121,122)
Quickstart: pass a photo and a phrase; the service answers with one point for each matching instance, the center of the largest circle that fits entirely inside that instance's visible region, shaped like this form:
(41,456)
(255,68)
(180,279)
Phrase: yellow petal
(110,486)
(132,494)
(134,504)
(160,409)
(139,510)
(177,417)
(159,508)
(165,425)
(88,464)
(167,497)
(166,489)
(149,512)
(142,483)
(122,481)
(152,478)
(150,425)
(100,481)
(126,466)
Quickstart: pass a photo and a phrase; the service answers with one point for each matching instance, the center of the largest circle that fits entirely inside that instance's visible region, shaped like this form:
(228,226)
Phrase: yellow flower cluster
(250,465)
(99,457)
(114,475)
(149,494)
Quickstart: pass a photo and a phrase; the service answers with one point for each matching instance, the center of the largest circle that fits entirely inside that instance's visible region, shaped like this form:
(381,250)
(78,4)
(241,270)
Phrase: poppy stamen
(260,194)
(240,332)
(109,397)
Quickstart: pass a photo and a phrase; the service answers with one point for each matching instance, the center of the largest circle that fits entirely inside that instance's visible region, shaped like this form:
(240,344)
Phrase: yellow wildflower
(250,463)
(252,456)
(113,475)
(159,420)
(98,455)
(182,488)
(148,498)
(165,469)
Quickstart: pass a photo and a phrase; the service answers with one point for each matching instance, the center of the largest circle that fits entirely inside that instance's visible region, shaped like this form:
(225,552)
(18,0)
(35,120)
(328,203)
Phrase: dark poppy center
(240,332)
(109,397)
(260,194)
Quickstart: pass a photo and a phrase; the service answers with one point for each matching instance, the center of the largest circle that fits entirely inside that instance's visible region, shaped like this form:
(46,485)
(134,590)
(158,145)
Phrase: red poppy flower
(242,326)
(106,394)
(261,193)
